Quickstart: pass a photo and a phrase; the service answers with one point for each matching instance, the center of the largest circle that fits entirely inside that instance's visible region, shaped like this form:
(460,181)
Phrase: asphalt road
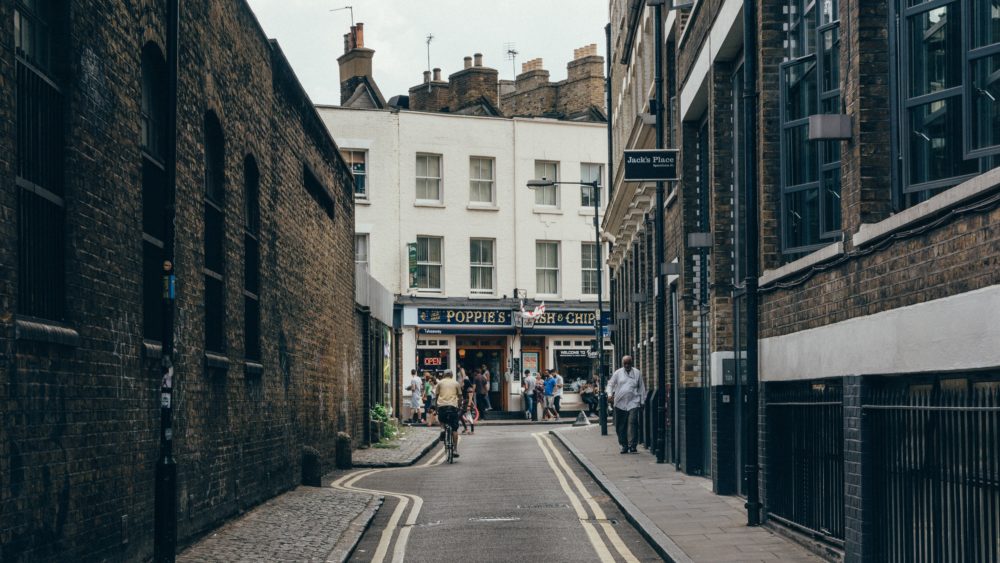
(515,494)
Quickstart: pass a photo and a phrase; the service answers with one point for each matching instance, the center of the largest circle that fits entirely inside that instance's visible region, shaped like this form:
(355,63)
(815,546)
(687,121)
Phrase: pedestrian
(539,398)
(482,393)
(416,388)
(528,388)
(627,391)
(468,418)
(550,387)
(429,409)
(489,382)
(589,397)
(557,393)
(460,377)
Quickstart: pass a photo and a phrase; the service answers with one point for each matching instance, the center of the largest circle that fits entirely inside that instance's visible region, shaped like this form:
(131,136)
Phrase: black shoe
(624,450)
(632,450)
(454,454)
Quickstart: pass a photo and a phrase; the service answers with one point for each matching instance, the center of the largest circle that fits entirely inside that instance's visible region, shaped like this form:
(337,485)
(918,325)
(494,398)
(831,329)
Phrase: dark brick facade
(80,422)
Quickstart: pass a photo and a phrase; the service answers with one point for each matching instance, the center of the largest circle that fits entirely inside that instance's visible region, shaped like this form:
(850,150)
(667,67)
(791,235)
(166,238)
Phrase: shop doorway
(473,353)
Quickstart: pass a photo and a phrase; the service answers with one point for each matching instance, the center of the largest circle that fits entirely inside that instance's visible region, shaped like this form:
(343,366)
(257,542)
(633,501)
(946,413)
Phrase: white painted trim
(355,144)
(945,200)
(960,332)
(822,255)
(727,22)
(716,363)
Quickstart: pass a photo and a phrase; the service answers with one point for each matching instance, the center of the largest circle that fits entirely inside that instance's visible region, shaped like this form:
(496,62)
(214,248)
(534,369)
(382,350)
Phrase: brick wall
(79,427)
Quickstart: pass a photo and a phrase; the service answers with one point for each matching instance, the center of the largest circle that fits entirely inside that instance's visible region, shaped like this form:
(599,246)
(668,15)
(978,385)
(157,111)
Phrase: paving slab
(408,447)
(677,513)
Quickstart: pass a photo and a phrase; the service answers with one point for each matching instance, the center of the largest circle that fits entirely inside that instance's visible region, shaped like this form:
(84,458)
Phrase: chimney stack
(355,63)
(437,75)
(479,59)
(427,76)
(468,62)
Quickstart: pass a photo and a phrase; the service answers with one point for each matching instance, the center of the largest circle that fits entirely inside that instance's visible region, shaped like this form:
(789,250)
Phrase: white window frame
(584,269)
(477,180)
(588,166)
(348,155)
(540,192)
(547,268)
(367,250)
(428,178)
(429,264)
(481,265)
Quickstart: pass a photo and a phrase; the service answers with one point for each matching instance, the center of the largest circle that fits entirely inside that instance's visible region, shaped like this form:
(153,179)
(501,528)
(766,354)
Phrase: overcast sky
(312,36)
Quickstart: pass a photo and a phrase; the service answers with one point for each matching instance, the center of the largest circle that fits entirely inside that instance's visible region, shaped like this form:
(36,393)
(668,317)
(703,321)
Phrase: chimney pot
(359,37)
(468,62)
(479,59)
(437,75)
(427,76)
(347,42)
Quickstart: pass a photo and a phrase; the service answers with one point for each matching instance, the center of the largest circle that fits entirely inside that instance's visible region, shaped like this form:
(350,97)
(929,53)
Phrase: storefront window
(434,360)
(575,367)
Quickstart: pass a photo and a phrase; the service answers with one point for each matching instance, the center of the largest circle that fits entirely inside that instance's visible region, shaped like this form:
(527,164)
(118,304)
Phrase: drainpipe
(661,286)
(751,470)
(602,397)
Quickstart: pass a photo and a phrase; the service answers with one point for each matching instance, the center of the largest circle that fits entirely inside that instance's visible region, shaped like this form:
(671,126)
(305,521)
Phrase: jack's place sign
(651,165)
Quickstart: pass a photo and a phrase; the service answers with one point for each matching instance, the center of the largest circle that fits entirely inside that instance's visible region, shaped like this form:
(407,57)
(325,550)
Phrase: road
(515,494)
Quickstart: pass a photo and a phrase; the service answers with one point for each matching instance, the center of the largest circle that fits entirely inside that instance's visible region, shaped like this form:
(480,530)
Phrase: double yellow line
(346,483)
(559,466)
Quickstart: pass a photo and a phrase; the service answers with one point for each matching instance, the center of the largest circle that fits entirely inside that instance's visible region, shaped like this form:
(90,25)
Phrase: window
(428,263)
(357,160)
(949,106)
(547,268)
(589,173)
(429,177)
(548,195)
(251,260)
(154,191)
(810,170)
(319,193)
(481,180)
(588,268)
(41,269)
(361,250)
(215,229)
(481,262)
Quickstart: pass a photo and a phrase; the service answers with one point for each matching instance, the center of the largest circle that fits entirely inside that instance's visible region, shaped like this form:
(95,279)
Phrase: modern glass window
(810,170)
(429,262)
(361,250)
(481,264)
(588,173)
(547,268)
(948,111)
(548,195)
(154,190)
(588,268)
(429,177)
(481,180)
(357,160)
(41,269)
(251,259)
(214,268)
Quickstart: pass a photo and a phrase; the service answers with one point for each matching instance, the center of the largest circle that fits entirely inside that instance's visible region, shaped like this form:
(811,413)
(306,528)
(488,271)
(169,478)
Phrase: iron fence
(805,457)
(935,472)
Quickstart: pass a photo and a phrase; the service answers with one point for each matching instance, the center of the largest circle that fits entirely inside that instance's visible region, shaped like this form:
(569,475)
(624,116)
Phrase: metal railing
(805,457)
(935,472)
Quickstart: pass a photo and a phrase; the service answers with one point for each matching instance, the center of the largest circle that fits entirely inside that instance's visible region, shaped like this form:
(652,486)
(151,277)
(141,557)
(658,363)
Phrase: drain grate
(542,506)
(495,519)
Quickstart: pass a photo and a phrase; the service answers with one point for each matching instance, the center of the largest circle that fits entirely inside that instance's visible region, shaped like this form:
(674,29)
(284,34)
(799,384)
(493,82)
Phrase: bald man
(628,393)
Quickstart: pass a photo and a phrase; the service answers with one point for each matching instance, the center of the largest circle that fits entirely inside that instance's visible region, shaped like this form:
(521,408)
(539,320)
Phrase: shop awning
(465,330)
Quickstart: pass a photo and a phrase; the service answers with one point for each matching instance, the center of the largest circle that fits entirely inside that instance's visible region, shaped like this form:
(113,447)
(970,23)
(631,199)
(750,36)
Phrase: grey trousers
(627,427)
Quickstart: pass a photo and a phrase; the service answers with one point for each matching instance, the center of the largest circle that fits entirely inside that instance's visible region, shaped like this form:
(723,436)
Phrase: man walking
(482,393)
(557,393)
(627,391)
(528,386)
(416,396)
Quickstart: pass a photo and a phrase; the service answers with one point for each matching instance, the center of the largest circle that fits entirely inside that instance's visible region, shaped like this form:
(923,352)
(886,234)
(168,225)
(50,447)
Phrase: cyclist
(447,392)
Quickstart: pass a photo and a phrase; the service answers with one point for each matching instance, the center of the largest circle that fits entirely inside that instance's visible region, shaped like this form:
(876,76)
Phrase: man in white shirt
(557,394)
(416,388)
(628,393)
(528,388)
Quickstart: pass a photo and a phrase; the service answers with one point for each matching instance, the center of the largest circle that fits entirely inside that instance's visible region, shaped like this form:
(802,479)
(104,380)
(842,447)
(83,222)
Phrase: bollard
(343,451)
(312,468)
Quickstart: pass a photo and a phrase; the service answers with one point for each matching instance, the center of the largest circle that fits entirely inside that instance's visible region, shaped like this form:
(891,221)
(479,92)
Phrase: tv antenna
(351,8)
(430,37)
(511,56)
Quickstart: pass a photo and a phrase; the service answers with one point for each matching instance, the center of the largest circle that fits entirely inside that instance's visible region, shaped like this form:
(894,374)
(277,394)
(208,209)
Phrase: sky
(312,36)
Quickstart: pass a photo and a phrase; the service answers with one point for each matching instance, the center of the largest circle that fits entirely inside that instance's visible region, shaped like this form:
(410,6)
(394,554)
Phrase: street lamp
(602,397)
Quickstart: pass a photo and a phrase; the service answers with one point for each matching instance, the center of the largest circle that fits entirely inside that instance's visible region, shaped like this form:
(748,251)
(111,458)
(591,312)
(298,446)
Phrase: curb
(351,537)
(407,463)
(664,546)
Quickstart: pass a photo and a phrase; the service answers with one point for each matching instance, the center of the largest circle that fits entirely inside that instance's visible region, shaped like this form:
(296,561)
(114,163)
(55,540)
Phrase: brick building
(265,328)
(877,136)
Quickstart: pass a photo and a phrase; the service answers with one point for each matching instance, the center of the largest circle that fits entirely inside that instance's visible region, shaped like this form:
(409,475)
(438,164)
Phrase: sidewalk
(679,514)
(411,444)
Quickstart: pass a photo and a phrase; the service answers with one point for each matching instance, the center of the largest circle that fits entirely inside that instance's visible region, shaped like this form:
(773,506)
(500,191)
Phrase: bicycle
(449,442)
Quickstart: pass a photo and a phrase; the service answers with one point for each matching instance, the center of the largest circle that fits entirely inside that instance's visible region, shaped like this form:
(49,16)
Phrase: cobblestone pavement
(681,511)
(413,442)
(304,524)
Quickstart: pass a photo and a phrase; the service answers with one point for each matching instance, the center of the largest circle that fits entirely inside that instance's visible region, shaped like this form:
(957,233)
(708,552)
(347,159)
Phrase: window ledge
(216,361)
(39,330)
(828,252)
(548,210)
(946,200)
(541,297)
(420,203)
(484,207)
(152,350)
(365,201)
(252,368)
(482,296)
(588,211)
(432,295)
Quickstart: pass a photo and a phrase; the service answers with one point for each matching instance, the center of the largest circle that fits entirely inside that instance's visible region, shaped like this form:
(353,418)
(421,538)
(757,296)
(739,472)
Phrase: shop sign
(461,317)
(650,165)
(572,353)
(569,319)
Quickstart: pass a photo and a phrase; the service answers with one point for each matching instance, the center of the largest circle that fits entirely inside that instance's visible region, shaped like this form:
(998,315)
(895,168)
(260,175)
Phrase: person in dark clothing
(482,393)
